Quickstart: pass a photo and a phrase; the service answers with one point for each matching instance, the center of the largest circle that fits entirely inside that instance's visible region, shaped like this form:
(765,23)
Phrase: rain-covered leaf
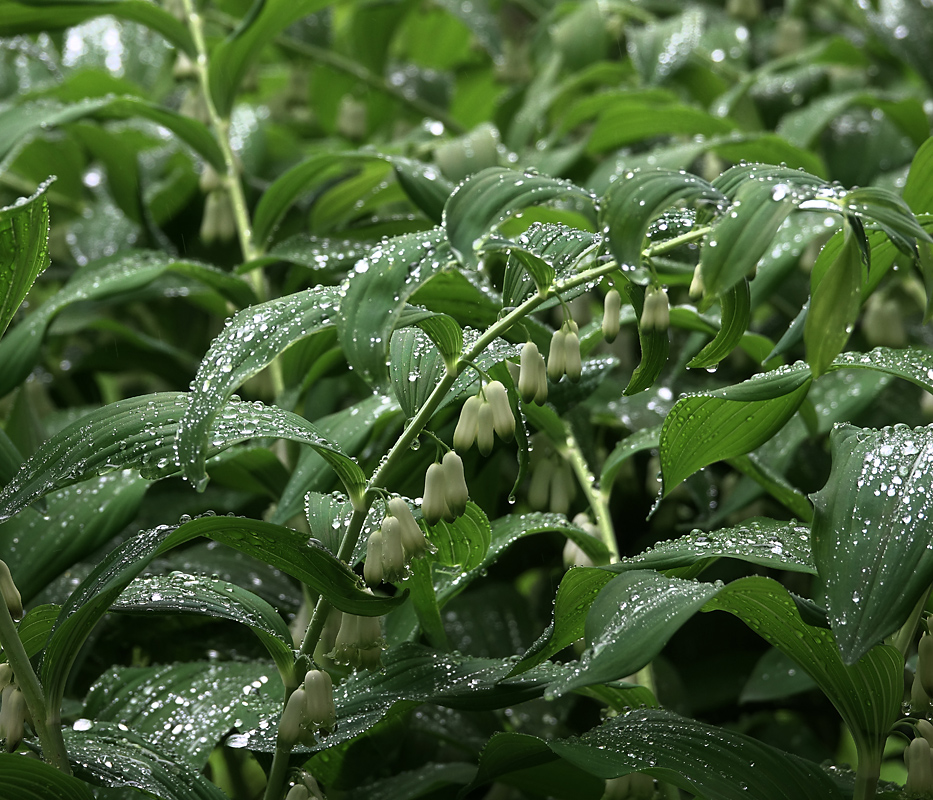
(654,343)
(638,197)
(19,122)
(703,428)
(914,364)
(186,709)
(179,593)
(233,57)
(871,532)
(561,247)
(446,334)
(33,16)
(487,199)
(376,294)
(77,521)
(24,250)
(250,341)
(776,676)
(918,190)
(32,779)
(478,17)
(736,306)
(464,542)
(20,348)
(139,433)
(699,758)
(415,368)
(424,781)
(631,620)
(636,442)
(659,49)
(108,755)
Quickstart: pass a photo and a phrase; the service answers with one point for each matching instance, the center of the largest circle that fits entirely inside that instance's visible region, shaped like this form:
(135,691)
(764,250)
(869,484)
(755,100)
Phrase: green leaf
(636,442)
(871,532)
(446,334)
(575,596)
(139,433)
(415,368)
(735,314)
(35,16)
(914,364)
(703,428)
(430,779)
(420,584)
(527,763)
(24,250)
(78,521)
(487,199)
(10,458)
(29,119)
(654,343)
(19,350)
(760,540)
(834,305)
(481,22)
(195,707)
(699,758)
(918,191)
(32,779)
(659,49)
(231,59)
(462,543)
(638,197)
(109,755)
(629,623)
(250,341)
(867,693)
(776,676)
(212,597)
(376,294)
(35,627)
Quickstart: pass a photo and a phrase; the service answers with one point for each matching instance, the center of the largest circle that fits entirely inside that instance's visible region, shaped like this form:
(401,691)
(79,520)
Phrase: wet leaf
(487,199)
(33,16)
(462,543)
(480,20)
(776,676)
(736,306)
(24,250)
(35,627)
(186,709)
(914,364)
(426,780)
(703,428)
(918,190)
(232,58)
(654,343)
(106,755)
(250,341)
(871,532)
(179,593)
(659,49)
(415,368)
(32,779)
(697,757)
(636,442)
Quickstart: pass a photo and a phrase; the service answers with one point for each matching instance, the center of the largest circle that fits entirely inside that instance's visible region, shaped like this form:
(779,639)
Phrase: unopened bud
(656,314)
(925,729)
(532,377)
(612,307)
(372,567)
(573,364)
(210,180)
(925,663)
(319,695)
(413,542)
(359,642)
(394,566)
(298,792)
(457,493)
(218,223)
(468,424)
(919,759)
(540,487)
(555,356)
(12,716)
(563,488)
(9,592)
(434,505)
(486,429)
(184,67)
(697,288)
(919,699)
(293,718)
(6,676)
(503,420)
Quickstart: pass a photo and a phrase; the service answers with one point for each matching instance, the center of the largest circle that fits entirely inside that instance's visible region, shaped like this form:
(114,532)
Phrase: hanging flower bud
(573,363)
(919,759)
(555,355)
(925,729)
(218,223)
(210,180)
(539,489)
(413,542)
(6,676)
(697,288)
(372,567)
(298,792)
(563,488)
(468,424)
(919,699)
(925,663)
(319,697)
(574,555)
(457,493)
(12,716)
(293,718)
(486,430)
(612,307)
(532,377)
(359,642)
(9,592)
(434,506)
(394,564)
(503,420)
(656,314)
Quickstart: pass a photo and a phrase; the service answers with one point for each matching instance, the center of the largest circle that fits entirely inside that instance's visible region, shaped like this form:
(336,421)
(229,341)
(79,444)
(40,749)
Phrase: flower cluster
(390,550)
(532,376)
(310,708)
(359,642)
(482,416)
(563,357)
(656,314)
(553,485)
(445,490)
(13,711)
(922,689)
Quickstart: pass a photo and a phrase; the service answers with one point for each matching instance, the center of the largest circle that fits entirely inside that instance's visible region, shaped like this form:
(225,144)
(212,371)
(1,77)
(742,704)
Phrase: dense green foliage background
(352,216)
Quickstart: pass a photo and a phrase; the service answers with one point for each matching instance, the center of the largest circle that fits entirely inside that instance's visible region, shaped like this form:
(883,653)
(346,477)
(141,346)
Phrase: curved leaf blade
(736,313)
(31,779)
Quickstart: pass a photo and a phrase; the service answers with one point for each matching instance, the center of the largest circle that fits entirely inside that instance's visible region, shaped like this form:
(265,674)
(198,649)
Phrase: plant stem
(221,127)
(866,773)
(47,721)
(277,774)
(593,494)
